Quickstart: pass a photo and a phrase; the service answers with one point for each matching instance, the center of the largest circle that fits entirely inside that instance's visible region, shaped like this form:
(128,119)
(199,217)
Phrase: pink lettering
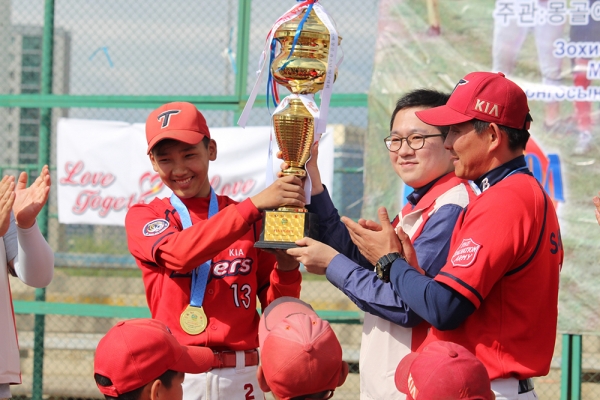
(91,200)
(248,185)
(107,180)
(72,170)
(241,187)
(215,182)
(87,178)
(226,189)
(83,200)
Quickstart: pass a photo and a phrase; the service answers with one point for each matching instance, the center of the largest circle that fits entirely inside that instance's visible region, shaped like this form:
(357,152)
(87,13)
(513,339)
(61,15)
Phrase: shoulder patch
(465,254)
(155,227)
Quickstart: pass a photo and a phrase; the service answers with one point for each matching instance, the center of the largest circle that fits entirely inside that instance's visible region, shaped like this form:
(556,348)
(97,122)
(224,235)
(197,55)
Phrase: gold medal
(193,320)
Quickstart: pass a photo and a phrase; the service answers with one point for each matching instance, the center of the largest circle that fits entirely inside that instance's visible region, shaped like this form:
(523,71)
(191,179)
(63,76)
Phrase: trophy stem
(299,172)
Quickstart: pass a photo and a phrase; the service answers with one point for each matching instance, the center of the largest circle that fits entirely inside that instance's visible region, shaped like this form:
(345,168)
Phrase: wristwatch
(383,266)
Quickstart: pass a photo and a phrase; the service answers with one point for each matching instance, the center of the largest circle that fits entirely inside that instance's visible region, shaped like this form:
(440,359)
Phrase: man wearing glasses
(391,329)
(497,294)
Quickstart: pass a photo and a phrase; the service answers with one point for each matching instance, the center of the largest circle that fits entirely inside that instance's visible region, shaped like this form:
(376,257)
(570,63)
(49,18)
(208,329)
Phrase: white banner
(103,169)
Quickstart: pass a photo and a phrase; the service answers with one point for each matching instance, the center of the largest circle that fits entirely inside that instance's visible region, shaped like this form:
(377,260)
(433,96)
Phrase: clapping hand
(376,240)
(7,198)
(30,200)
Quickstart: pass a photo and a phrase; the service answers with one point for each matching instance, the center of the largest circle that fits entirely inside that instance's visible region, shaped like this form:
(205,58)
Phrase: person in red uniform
(497,294)
(201,272)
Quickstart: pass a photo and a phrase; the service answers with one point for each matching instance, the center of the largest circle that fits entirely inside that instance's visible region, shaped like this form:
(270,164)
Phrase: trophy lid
(313,27)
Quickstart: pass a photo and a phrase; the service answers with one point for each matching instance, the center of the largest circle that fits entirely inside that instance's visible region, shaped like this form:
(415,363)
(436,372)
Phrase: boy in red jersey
(201,272)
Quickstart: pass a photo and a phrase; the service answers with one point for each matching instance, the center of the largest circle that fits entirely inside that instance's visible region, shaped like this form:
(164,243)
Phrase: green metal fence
(96,282)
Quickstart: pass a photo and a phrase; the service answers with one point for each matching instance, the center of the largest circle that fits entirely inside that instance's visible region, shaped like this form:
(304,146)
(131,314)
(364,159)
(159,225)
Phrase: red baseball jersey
(505,257)
(167,254)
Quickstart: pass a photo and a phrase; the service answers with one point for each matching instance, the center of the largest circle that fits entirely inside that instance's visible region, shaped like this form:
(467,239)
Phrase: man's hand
(30,200)
(285,262)
(408,250)
(285,191)
(311,167)
(374,240)
(315,255)
(7,198)
(596,201)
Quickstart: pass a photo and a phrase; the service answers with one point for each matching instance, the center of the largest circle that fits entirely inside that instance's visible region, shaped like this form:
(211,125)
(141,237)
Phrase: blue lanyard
(200,274)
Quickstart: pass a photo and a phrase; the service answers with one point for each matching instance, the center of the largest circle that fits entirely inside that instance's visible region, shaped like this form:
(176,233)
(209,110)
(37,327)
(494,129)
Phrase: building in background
(20,132)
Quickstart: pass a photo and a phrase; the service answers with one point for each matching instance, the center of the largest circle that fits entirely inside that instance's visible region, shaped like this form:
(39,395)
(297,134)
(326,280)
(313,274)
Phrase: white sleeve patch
(465,254)
(155,227)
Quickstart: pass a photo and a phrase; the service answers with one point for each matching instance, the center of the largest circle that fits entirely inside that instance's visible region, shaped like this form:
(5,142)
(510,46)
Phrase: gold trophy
(303,73)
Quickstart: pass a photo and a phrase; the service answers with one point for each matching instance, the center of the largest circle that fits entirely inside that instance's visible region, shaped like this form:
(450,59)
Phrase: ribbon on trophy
(193,319)
(287,16)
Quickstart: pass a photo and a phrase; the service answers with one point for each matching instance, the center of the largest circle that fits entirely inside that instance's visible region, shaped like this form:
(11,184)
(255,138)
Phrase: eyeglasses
(327,394)
(415,141)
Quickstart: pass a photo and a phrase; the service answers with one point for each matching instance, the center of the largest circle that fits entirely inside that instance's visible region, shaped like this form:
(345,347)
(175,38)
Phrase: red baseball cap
(300,353)
(486,96)
(179,120)
(443,370)
(135,352)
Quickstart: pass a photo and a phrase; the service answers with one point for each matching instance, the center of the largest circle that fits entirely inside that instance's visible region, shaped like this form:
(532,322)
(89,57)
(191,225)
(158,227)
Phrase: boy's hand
(30,200)
(311,167)
(285,191)
(7,198)
(315,255)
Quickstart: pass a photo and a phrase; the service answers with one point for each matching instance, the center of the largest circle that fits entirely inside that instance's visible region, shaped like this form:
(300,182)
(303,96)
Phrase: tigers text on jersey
(239,273)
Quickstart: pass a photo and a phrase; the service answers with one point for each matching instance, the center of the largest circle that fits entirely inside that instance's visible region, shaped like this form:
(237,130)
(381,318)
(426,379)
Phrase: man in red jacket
(497,294)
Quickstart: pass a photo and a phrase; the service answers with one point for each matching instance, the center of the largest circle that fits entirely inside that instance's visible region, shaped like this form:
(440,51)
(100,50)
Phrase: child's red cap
(136,352)
(179,120)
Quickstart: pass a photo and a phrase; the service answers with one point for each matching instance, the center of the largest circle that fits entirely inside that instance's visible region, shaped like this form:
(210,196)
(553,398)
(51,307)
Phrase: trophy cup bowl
(302,72)
(305,71)
(294,131)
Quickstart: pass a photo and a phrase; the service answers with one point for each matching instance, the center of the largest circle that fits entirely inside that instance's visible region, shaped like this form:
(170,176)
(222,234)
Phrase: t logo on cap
(189,127)
(166,116)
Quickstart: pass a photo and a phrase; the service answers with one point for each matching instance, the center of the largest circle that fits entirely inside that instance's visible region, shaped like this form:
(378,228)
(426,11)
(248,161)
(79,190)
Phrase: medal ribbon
(200,274)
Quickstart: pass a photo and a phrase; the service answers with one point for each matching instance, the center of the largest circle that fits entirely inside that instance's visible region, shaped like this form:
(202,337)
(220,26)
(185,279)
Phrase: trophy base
(282,228)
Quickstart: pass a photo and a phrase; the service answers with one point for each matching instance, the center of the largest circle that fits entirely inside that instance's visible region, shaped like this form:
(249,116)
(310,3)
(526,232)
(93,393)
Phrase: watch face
(379,271)
(383,266)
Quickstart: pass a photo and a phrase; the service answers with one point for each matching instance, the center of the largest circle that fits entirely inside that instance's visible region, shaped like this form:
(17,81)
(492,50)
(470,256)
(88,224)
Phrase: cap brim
(402,371)
(194,360)
(442,116)
(279,309)
(189,137)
